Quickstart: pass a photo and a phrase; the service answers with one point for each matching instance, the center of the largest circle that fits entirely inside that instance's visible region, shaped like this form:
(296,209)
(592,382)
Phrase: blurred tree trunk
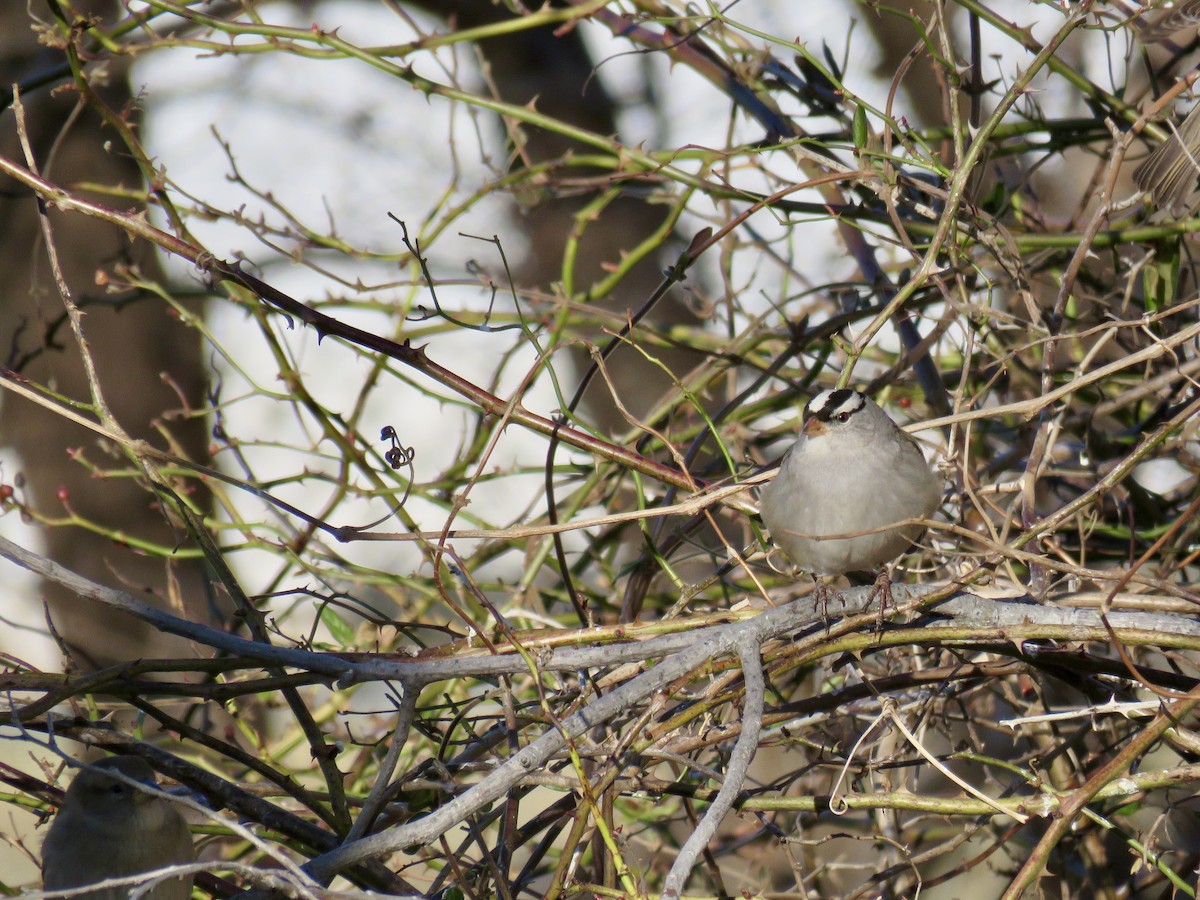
(896,36)
(145,358)
(552,69)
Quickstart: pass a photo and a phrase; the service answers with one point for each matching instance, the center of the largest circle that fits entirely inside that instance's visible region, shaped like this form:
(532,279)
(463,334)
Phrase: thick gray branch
(735,776)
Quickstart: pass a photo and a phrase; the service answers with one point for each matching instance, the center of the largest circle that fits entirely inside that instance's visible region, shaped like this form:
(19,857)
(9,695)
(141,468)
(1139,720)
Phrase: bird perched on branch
(108,828)
(852,471)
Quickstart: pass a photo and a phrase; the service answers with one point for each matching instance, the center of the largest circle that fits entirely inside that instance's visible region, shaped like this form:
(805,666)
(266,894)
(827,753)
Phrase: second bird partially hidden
(107,828)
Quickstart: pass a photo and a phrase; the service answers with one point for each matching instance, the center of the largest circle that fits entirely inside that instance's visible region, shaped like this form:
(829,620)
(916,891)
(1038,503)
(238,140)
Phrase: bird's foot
(882,588)
(821,595)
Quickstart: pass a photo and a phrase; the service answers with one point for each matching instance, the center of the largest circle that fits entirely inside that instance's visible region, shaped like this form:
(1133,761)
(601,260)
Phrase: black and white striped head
(832,411)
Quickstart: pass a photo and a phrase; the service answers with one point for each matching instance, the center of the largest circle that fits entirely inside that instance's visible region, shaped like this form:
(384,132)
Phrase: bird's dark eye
(843,417)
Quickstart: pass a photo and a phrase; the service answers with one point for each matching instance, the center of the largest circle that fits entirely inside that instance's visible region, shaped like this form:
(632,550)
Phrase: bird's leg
(821,594)
(882,588)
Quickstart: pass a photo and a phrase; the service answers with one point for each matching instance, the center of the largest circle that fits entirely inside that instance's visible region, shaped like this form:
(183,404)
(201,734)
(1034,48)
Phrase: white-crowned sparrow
(108,828)
(851,470)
